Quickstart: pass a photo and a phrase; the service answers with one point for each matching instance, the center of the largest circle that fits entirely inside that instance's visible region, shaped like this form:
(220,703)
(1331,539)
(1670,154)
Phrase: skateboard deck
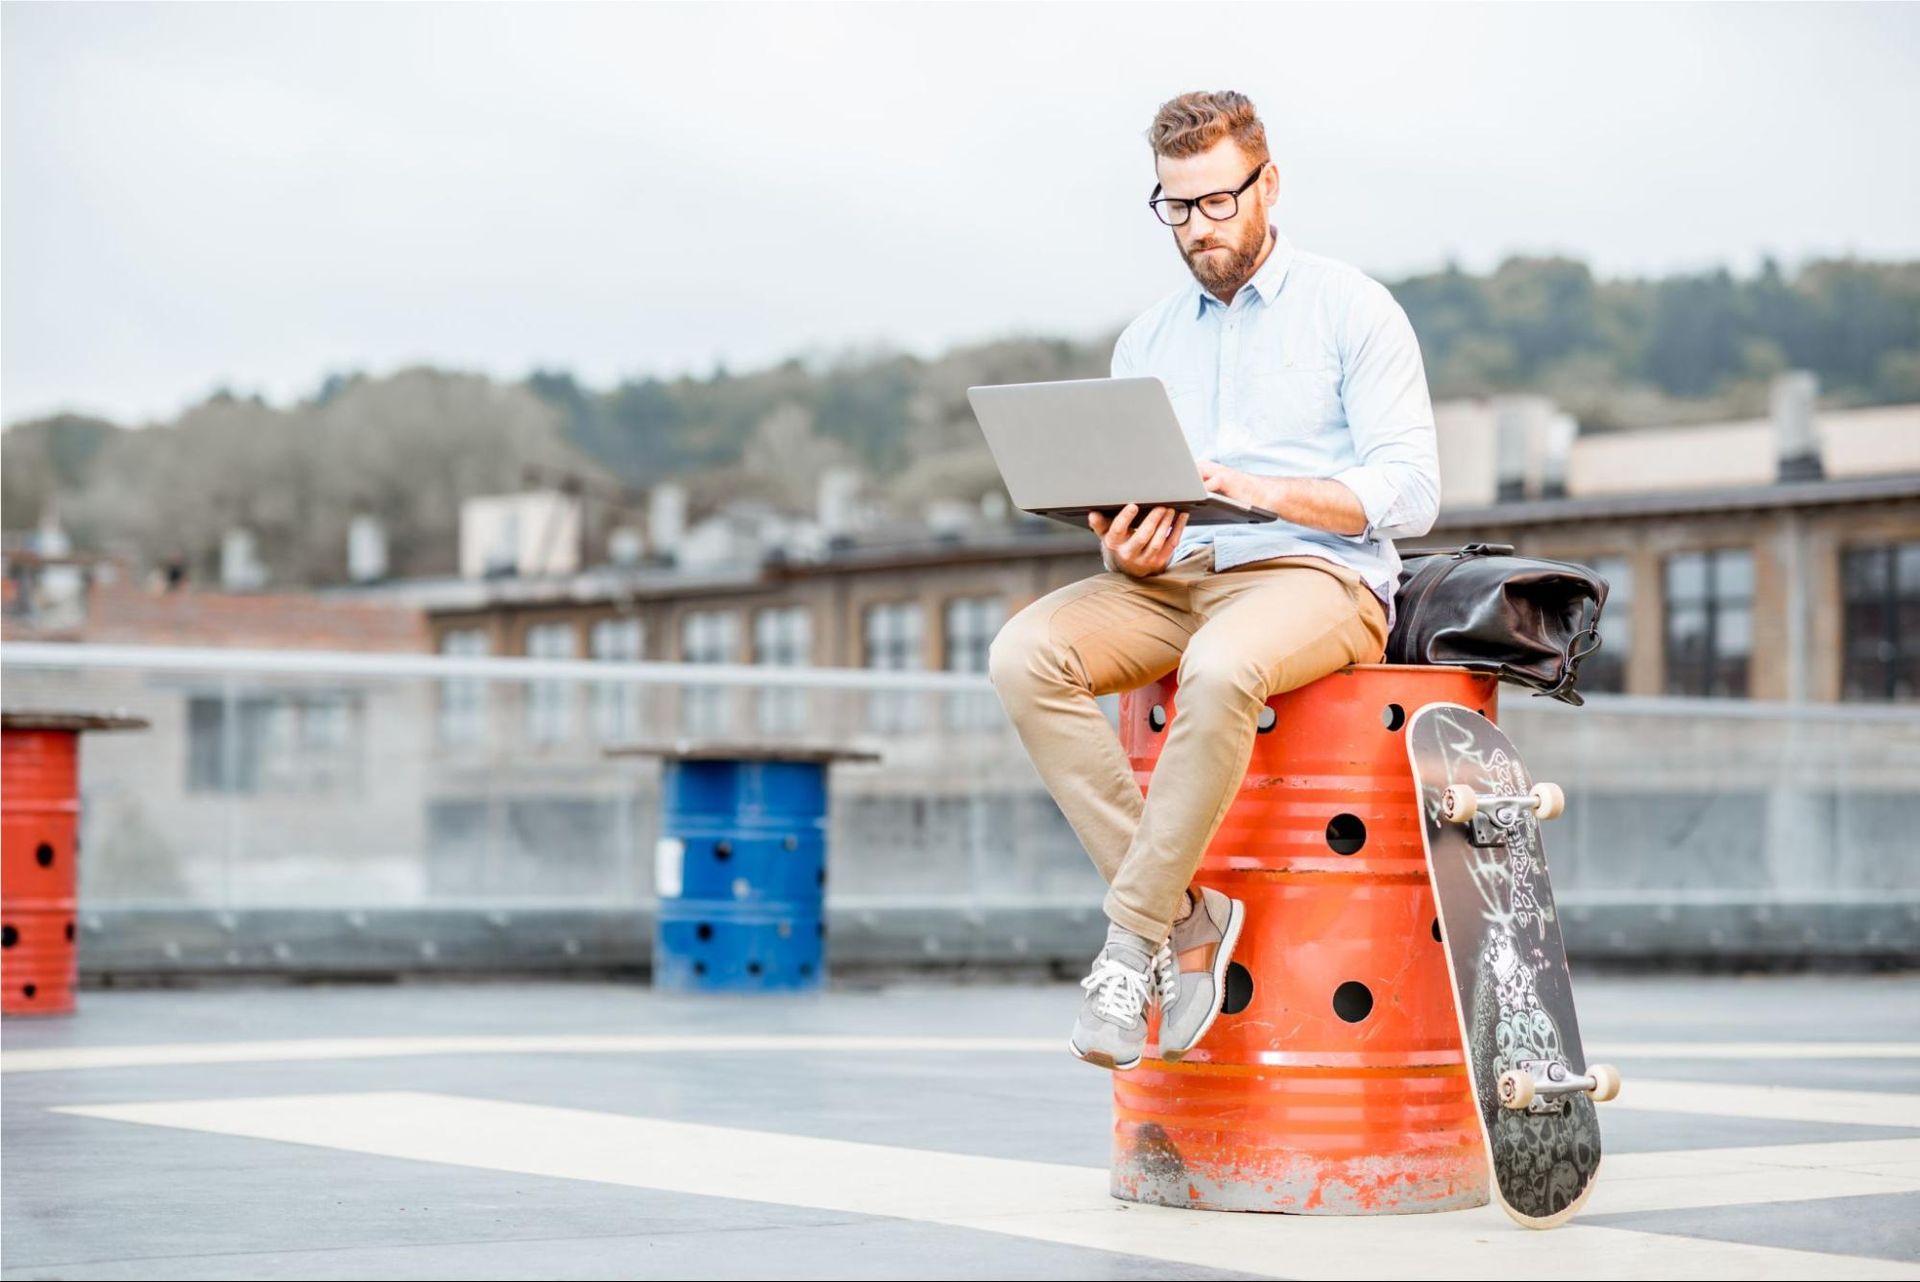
(1502,941)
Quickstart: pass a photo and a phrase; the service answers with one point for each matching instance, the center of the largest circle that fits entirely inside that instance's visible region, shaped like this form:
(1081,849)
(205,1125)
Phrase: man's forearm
(1315,501)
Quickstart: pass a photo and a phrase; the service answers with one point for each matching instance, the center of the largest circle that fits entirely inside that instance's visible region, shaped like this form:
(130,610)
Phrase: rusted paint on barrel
(1334,1081)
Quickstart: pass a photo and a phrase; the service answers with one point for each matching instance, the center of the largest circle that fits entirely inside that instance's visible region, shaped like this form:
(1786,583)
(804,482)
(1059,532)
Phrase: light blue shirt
(1313,371)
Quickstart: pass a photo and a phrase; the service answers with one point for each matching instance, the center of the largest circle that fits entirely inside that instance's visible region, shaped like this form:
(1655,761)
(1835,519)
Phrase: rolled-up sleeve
(1383,391)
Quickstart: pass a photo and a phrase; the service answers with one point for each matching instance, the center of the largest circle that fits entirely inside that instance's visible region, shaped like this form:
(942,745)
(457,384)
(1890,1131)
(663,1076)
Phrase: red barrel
(1333,1081)
(39,963)
(39,850)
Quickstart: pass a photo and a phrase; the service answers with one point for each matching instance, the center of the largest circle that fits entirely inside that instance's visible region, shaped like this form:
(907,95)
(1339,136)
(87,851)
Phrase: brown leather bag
(1481,607)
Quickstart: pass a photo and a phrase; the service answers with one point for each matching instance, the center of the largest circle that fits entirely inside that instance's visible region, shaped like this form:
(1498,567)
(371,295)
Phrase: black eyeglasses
(1216,205)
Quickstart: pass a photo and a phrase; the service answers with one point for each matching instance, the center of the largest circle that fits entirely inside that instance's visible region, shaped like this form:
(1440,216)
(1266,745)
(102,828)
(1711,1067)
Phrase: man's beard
(1226,271)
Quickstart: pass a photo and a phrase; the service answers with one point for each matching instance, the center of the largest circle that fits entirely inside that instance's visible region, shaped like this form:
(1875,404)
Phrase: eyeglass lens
(1220,206)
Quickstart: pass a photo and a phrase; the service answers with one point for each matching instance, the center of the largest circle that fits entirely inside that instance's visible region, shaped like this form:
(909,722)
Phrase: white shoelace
(1121,991)
(1167,972)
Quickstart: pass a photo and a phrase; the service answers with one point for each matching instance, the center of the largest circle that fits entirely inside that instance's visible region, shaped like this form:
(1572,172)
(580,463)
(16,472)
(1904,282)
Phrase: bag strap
(1470,549)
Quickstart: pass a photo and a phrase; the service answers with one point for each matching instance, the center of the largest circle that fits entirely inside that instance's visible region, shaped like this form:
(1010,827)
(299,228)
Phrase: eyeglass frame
(1192,203)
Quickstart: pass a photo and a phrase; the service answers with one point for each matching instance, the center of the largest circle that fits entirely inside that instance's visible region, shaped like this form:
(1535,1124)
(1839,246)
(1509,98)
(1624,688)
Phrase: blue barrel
(741,868)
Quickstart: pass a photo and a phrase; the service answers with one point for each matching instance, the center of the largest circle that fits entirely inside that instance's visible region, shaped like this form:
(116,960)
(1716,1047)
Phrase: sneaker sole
(1236,915)
(1101,1059)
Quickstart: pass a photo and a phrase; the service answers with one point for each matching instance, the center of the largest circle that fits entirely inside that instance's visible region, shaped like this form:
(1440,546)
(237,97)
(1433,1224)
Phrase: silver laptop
(1095,445)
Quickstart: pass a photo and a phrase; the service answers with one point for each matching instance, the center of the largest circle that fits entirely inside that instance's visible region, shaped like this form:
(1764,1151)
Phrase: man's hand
(1316,501)
(1143,550)
(1235,484)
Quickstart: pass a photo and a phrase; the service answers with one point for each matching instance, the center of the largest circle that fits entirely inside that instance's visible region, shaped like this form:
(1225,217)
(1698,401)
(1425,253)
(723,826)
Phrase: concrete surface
(1770,1127)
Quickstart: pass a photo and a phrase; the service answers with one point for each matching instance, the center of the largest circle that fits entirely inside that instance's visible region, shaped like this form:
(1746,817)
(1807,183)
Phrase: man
(1298,383)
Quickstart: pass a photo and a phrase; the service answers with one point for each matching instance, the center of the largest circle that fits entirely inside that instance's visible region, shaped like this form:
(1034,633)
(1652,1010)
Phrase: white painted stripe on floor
(64,1059)
(317,1048)
(1775,1103)
(1757,1051)
(1699,1178)
(1045,1201)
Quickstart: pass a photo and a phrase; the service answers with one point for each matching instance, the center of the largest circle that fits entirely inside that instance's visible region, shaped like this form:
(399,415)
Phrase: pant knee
(1016,655)
(1214,675)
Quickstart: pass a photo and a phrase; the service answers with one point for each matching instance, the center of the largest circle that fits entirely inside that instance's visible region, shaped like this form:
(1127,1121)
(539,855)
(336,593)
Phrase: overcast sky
(254,195)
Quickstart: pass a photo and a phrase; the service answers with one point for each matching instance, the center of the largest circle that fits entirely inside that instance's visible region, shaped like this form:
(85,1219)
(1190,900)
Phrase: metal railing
(312,782)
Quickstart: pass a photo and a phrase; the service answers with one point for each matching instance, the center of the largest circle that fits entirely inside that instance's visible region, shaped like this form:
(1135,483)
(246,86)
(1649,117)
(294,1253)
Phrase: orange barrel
(39,847)
(1333,1081)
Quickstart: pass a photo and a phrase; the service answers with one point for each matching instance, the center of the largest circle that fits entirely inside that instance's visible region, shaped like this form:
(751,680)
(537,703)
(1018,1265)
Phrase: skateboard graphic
(1535,1092)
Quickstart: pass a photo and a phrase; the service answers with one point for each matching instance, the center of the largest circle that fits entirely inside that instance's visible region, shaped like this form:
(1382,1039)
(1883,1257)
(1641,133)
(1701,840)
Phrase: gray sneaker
(1112,1028)
(1190,970)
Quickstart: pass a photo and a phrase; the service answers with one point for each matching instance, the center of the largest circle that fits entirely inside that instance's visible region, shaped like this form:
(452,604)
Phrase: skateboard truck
(1493,815)
(1538,1085)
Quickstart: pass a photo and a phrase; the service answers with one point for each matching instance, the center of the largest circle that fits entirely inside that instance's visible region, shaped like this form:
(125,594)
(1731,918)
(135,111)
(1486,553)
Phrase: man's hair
(1193,122)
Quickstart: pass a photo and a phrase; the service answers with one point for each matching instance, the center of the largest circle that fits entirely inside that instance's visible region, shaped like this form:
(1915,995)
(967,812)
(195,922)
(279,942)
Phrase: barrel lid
(59,719)
(741,750)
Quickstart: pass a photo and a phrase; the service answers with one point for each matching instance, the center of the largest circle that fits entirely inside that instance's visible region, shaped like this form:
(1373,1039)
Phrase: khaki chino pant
(1238,636)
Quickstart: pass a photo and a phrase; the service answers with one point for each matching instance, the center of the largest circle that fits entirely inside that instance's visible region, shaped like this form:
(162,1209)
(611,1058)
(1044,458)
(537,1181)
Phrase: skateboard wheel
(1606,1081)
(1457,803)
(1516,1088)
(1549,802)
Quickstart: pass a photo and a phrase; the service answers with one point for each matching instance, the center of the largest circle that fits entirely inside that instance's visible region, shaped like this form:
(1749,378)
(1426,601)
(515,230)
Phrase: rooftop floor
(452,1130)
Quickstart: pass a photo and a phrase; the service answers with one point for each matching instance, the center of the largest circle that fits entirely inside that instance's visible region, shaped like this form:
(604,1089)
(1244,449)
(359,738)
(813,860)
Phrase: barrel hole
(1239,989)
(1268,719)
(1436,930)
(9,936)
(1157,717)
(44,854)
(31,990)
(69,932)
(754,968)
(806,968)
(1483,712)
(1353,1001)
(820,877)
(1393,716)
(723,850)
(699,968)
(703,932)
(820,929)
(1346,834)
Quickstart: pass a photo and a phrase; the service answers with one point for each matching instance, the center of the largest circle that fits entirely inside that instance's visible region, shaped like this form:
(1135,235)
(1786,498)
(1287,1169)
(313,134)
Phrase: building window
(892,633)
(463,700)
(707,636)
(969,625)
(550,703)
(304,744)
(1605,670)
(1709,621)
(783,637)
(1880,656)
(616,704)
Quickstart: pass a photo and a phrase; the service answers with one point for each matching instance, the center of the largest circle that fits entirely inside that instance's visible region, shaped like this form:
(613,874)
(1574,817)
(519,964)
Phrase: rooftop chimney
(625,546)
(1796,452)
(949,518)
(366,550)
(839,486)
(1556,447)
(240,568)
(1520,429)
(666,519)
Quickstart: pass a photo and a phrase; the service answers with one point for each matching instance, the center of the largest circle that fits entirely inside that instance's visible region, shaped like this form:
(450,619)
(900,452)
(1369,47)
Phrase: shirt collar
(1266,282)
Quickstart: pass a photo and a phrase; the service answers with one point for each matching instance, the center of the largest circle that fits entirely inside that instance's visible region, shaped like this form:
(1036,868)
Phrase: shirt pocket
(1292,404)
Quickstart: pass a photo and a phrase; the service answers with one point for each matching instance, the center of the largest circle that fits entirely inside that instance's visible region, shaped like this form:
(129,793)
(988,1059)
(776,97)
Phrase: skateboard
(1535,1092)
